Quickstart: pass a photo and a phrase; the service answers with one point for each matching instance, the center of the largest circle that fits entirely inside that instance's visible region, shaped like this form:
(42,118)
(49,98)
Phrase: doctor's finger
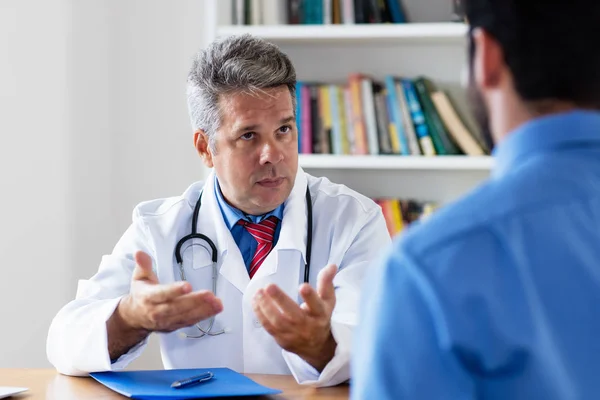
(200,301)
(325,287)
(265,323)
(158,294)
(273,327)
(268,312)
(195,315)
(313,302)
(286,305)
(143,268)
(184,310)
(285,339)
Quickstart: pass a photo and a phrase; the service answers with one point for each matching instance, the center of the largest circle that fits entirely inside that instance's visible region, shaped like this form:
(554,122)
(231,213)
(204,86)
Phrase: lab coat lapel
(231,264)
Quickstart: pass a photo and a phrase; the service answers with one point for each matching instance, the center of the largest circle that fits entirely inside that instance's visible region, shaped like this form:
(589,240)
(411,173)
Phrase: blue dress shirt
(496,296)
(245,242)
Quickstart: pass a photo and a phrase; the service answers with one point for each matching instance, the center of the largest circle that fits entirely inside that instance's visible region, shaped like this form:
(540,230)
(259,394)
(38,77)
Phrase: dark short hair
(552,47)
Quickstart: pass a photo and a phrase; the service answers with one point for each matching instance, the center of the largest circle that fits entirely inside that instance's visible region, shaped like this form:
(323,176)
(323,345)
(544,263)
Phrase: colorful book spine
(299,86)
(439,135)
(336,129)
(418,119)
(306,125)
(396,115)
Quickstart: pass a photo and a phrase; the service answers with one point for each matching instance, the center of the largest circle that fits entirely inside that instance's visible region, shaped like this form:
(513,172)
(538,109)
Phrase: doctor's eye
(248,136)
(285,129)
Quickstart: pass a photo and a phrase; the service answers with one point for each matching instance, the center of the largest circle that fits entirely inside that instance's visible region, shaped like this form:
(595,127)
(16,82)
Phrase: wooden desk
(48,384)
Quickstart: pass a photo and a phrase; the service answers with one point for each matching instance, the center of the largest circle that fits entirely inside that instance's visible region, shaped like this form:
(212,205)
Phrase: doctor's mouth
(271,183)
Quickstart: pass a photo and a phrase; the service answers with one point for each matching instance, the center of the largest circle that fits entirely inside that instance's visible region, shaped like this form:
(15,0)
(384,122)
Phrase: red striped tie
(263,233)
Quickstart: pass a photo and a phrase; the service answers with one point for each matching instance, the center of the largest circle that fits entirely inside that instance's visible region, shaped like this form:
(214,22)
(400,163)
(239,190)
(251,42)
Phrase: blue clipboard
(156,384)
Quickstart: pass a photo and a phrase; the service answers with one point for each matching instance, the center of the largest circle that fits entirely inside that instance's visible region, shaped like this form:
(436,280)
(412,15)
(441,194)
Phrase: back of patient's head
(550,46)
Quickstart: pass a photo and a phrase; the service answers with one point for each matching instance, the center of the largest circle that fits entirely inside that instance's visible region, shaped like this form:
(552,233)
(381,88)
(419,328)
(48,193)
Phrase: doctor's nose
(271,153)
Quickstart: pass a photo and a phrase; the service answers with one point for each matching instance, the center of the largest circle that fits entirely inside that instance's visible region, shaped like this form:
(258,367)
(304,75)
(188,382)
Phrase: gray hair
(234,64)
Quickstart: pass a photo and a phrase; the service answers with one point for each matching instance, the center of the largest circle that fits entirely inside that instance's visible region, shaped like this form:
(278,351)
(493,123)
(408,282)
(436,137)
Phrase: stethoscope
(213,248)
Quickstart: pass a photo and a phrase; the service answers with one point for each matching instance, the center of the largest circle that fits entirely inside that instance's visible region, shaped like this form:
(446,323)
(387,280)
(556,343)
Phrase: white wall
(93,117)
(153,147)
(91,90)
(34,158)
(154,151)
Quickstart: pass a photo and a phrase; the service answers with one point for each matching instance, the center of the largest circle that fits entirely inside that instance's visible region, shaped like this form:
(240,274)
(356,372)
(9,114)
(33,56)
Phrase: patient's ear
(202,147)
(488,60)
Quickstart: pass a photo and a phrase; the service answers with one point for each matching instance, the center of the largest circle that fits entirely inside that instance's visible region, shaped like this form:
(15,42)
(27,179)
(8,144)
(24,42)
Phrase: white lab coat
(348,230)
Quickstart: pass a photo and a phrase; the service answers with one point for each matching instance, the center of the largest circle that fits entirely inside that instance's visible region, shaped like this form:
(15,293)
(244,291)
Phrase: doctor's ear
(202,147)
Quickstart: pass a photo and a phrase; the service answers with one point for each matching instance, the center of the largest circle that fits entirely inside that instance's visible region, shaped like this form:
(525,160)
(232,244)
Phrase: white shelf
(410,32)
(394,162)
(330,53)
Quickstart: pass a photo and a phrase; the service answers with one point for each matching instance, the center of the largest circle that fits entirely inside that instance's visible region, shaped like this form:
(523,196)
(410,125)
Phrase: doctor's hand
(306,329)
(154,307)
(164,308)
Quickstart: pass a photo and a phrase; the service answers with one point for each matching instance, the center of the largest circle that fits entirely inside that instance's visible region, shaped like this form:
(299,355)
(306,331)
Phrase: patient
(497,296)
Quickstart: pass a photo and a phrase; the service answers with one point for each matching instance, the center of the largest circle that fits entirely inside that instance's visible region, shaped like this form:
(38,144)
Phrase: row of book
(400,213)
(325,12)
(316,12)
(400,116)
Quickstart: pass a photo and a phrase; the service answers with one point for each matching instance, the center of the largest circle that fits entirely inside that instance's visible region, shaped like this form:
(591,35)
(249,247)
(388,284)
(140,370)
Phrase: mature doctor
(255,207)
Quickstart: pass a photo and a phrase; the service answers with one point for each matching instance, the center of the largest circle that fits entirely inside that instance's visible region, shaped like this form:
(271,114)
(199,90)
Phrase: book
(399,214)
(455,126)
(316,12)
(441,140)
(390,116)
(458,11)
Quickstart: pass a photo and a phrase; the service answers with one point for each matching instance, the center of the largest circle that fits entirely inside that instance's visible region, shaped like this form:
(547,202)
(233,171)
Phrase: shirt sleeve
(401,348)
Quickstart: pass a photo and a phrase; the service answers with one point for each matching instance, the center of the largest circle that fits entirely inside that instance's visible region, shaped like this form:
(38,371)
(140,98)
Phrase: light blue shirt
(498,295)
(245,242)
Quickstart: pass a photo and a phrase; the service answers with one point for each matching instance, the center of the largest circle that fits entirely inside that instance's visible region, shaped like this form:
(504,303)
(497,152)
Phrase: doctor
(290,250)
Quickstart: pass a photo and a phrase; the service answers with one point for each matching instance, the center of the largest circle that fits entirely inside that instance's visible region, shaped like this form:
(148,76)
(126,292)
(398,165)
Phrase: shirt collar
(232,215)
(547,133)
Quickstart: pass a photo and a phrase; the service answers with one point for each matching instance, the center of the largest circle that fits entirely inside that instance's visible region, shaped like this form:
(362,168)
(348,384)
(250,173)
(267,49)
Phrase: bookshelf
(395,33)
(393,162)
(429,45)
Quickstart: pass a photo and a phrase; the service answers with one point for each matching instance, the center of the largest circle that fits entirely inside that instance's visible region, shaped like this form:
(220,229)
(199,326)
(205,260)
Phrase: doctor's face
(256,151)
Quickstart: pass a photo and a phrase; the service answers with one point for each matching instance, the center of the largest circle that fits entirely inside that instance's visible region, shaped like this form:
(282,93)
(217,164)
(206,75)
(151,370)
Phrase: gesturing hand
(164,308)
(305,329)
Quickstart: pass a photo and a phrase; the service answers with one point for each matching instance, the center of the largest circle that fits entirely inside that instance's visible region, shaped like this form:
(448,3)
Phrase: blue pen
(192,380)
